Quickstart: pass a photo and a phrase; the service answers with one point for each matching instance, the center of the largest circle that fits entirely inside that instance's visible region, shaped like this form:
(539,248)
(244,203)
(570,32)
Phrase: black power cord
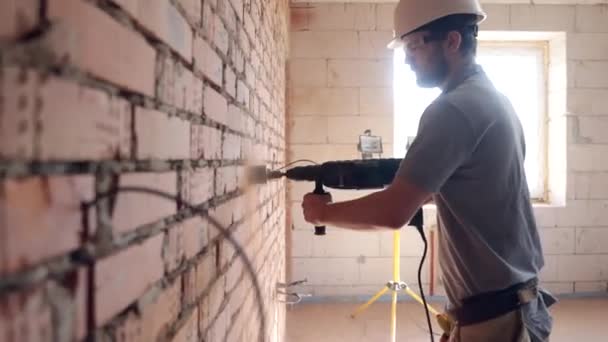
(203,214)
(426,309)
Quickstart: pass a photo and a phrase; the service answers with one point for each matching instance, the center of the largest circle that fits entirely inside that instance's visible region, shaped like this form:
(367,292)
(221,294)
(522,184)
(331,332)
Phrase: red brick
(192,10)
(207,61)
(184,241)
(235,118)
(159,136)
(177,86)
(134,209)
(122,278)
(249,25)
(218,330)
(40,218)
(164,21)
(189,331)
(17,17)
(225,180)
(155,317)
(208,19)
(242,94)
(17,113)
(238,7)
(26,316)
(206,142)
(230,85)
(103,121)
(220,36)
(215,106)
(231,147)
(96,43)
(197,280)
(198,187)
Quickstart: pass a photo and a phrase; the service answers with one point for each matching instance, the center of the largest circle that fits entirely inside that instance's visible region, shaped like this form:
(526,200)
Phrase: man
(468,157)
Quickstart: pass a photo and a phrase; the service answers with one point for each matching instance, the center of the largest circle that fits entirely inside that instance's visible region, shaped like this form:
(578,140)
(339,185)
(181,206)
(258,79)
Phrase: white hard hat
(413,14)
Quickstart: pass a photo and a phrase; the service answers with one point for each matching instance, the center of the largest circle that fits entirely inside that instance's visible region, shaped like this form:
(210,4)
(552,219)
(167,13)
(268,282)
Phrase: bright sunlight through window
(518,70)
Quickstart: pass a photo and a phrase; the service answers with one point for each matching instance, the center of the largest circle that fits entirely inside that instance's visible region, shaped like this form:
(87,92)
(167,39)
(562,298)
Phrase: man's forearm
(379,210)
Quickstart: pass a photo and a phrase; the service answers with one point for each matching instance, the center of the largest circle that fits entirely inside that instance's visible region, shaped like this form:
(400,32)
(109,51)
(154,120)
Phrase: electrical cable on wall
(203,214)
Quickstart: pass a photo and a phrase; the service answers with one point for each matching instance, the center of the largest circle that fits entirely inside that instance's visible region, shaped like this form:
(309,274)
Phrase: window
(518,69)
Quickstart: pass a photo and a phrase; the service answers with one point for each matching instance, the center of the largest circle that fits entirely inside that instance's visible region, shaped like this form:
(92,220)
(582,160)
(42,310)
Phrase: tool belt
(489,305)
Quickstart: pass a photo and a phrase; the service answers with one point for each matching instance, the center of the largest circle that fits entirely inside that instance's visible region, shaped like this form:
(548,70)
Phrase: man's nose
(408,59)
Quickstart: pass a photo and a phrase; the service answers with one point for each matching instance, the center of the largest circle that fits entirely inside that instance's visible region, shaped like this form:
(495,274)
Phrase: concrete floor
(574,320)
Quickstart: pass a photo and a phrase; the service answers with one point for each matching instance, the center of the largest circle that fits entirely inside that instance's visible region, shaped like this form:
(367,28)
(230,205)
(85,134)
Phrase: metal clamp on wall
(291,298)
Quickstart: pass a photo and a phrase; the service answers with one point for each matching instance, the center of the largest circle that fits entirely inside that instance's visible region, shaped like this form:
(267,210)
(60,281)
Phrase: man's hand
(315,207)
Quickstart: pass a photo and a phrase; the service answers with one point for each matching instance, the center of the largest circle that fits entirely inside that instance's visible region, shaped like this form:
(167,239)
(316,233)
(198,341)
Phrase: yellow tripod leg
(369,302)
(394,318)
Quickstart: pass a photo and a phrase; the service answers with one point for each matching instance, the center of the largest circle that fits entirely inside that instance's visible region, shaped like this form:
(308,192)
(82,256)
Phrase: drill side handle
(319,230)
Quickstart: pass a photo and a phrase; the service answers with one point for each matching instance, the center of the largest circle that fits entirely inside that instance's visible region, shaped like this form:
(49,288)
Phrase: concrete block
(411,244)
(557,240)
(587,157)
(325,44)
(592,240)
(308,129)
(582,267)
(307,73)
(360,73)
(586,74)
(592,18)
(323,101)
(376,101)
(325,152)
(550,271)
(588,46)
(592,130)
(344,243)
(343,16)
(558,288)
(546,216)
(327,271)
(380,270)
(542,18)
(385,16)
(583,214)
(372,44)
(590,286)
(588,101)
(302,242)
(591,186)
(498,17)
(346,129)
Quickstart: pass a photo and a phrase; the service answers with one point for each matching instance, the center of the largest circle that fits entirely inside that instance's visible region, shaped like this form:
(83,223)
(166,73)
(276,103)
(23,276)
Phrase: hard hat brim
(396,43)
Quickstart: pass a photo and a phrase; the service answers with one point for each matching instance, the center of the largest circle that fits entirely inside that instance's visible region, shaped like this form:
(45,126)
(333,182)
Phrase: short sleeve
(445,140)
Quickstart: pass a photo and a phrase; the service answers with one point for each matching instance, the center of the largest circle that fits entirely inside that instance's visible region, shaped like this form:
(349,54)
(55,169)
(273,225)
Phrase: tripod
(396,285)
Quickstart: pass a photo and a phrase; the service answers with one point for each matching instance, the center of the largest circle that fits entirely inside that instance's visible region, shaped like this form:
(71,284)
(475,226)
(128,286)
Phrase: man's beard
(436,76)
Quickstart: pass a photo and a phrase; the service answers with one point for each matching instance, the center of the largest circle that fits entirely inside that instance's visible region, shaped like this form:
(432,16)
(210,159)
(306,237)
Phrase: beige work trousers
(506,328)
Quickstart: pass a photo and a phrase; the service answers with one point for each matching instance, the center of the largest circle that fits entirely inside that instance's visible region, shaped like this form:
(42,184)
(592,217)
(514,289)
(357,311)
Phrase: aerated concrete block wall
(340,83)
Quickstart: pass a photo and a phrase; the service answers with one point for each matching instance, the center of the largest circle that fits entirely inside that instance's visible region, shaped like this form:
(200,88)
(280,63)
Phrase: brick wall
(340,83)
(174,95)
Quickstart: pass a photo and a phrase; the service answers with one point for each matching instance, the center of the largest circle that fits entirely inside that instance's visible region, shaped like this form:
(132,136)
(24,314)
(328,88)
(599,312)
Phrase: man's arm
(390,208)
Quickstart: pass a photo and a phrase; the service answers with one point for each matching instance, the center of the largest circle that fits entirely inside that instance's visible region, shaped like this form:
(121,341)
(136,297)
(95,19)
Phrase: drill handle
(319,230)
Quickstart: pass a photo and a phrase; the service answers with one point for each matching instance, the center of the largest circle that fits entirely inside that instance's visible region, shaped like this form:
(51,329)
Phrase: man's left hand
(315,207)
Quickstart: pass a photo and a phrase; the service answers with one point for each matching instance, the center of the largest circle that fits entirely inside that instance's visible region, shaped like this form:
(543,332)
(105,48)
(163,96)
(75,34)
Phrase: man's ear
(454,40)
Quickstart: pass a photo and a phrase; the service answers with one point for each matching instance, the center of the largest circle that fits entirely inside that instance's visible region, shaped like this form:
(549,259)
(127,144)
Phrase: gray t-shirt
(469,152)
